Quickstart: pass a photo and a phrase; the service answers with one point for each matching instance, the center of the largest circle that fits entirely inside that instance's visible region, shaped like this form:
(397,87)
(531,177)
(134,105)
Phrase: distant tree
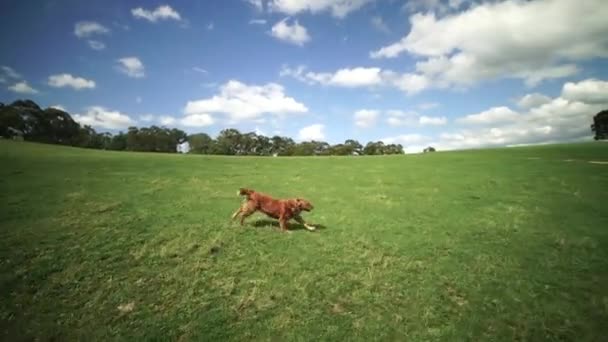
(600,125)
(282,146)
(374,148)
(200,143)
(429,149)
(354,146)
(228,142)
(118,142)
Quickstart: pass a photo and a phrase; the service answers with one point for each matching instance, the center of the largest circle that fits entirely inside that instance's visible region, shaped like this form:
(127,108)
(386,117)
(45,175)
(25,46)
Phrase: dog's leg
(300,220)
(247,210)
(283,224)
(236,213)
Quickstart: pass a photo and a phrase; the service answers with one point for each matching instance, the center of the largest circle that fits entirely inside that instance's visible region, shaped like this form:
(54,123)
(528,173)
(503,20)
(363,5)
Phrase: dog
(281,209)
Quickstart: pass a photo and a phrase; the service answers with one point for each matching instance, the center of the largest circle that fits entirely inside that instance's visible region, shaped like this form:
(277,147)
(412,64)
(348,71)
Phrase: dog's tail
(244,192)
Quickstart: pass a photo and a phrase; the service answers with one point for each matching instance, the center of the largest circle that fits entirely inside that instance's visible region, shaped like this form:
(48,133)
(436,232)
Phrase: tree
(600,125)
(119,142)
(354,146)
(200,143)
(228,142)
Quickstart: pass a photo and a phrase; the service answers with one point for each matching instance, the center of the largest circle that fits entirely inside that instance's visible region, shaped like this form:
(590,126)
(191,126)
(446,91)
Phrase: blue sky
(453,74)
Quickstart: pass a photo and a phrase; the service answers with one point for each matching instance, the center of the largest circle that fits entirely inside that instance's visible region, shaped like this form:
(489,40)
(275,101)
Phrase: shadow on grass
(290,225)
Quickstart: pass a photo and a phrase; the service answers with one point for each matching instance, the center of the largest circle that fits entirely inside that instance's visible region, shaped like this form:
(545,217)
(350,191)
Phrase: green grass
(455,246)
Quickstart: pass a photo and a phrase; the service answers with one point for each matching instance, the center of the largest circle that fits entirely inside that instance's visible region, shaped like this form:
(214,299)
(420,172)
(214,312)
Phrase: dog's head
(303,204)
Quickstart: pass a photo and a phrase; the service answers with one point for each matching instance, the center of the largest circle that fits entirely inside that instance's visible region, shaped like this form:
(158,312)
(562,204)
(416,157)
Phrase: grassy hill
(503,244)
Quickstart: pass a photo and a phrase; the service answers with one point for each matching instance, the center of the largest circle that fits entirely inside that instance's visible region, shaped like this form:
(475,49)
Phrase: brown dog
(281,209)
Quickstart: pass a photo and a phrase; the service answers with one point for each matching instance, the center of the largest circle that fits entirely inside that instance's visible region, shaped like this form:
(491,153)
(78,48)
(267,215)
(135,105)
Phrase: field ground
(506,244)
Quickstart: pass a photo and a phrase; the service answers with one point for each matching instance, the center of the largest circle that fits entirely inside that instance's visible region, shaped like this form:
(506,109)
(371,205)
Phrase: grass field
(508,244)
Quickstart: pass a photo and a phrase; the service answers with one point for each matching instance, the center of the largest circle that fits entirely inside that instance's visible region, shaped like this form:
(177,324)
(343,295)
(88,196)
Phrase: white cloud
(402,118)
(138,99)
(436,6)
(257,21)
(146,118)
(197,120)
(22,88)
(131,66)
(294,34)
(468,47)
(240,101)
(257,4)
(7,72)
(201,70)
(366,117)
(96,45)
(554,120)
(97,116)
(312,132)
(533,100)
(432,120)
(491,116)
(338,8)
(406,139)
(164,12)
(359,77)
(166,120)
(410,118)
(59,107)
(588,91)
(83,29)
(410,83)
(67,80)
(379,24)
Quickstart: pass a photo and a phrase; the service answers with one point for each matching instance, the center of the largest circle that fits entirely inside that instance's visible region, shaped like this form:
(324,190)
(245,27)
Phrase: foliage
(600,125)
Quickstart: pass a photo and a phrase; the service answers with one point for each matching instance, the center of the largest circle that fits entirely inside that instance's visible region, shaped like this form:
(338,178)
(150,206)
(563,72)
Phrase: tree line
(24,119)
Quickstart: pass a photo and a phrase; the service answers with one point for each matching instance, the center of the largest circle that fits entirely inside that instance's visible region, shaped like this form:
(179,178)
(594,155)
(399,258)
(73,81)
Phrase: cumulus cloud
(67,80)
(411,118)
(532,100)
(131,66)
(491,116)
(563,118)
(83,29)
(358,77)
(587,91)
(312,132)
(366,117)
(432,120)
(97,116)
(166,120)
(437,6)
(338,8)
(146,118)
(239,101)
(22,88)
(464,48)
(164,12)
(197,120)
(294,34)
